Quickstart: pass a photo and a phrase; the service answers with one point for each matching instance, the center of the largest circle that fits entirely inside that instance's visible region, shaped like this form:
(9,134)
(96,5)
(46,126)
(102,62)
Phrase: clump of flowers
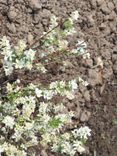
(28,115)
(17,57)
(23,116)
(56,40)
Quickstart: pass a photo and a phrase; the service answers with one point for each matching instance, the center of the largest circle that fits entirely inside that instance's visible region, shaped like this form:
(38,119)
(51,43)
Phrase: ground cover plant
(28,115)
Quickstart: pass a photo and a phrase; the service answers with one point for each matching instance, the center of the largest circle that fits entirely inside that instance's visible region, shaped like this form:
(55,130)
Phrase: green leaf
(68,24)
(54,123)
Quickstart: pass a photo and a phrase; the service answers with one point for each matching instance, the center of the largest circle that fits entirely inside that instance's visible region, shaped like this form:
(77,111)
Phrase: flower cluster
(17,57)
(29,116)
(73,142)
(56,40)
(23,115)
(58,87)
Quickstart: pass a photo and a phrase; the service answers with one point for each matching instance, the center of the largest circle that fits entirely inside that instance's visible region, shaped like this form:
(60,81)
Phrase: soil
(97,25)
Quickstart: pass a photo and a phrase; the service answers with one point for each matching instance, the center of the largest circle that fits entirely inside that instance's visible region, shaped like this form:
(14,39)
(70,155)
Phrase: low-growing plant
(28,115)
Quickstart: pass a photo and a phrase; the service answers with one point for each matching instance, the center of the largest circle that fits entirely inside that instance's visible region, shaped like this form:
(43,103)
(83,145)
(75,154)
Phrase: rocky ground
(97,104)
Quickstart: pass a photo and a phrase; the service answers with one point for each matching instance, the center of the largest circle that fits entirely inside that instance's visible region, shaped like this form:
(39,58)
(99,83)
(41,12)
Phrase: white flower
(30,54)
(21,45)
(66,136)
(9,87)
(8,67)
(19,63)
(80,44)
(59,108)
(48,94)
(43,107)
(41,67)
(9,121)
(74,51)
(29,125)
(69,95)
(53,22)
(38,92)
(73,84)
(53,85)
(1,149)
(82,132)
(86,56)
(78,146)
(75,15)
(68,148)
(55,147)
(84,83)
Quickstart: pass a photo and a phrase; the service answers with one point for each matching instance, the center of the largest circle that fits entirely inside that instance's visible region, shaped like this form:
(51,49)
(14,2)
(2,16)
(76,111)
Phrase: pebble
(100,2)
(111,6)
(89,62)
(35,4)
(102,26)
(105,9)
(86,95)
(30,38)
(94,77)
(12,14)
(114,57)
(90,21)
(93,4)
(85,116)
(11,27)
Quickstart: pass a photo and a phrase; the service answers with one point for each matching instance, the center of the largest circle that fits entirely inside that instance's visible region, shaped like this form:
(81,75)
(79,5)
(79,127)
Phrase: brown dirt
(98,26)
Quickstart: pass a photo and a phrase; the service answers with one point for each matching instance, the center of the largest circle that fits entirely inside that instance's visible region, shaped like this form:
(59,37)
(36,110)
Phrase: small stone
(45,13)
(85,116)
(93,3)
(105,9)
(102,26)
(112,16)
(30,38)
(100,2)
(12,14)
(35,4)
(111,6)
(114,57)
(86,95)
(4,2)
(90,21)
(89,62)
(95,77)
(11,27)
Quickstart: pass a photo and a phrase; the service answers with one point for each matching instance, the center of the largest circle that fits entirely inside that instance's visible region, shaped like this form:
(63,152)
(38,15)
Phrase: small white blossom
(68,148)
(1,149)
(9,121)
(84,83)
(86,56)
(38,92)
(48,94)
(73,84)
(78,146)
(82,132)
(75,15)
